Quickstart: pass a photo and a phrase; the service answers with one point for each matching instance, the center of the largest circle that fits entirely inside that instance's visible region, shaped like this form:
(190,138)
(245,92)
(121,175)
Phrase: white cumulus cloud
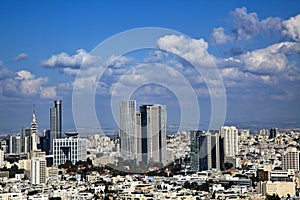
(64,60)
(219,37)
(292,28)
(193,50)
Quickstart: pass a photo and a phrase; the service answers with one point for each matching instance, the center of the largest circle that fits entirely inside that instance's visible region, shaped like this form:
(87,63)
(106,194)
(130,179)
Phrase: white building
(1,158)
(72,148)
(129,138)
(230,135)
(291,159)
(38,168)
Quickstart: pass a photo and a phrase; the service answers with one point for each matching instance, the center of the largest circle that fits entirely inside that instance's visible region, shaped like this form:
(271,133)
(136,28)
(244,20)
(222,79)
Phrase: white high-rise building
(38,168)
(291,159)
(71,148)
(1,157)
(230,135)
(153,130)
(128,130)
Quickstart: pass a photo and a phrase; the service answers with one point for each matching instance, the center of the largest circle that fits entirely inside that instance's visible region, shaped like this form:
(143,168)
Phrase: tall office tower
(230,135)
(25,140)
(44,144)
(55,122)
(138,130)
(291,159)
(273,133)
(71,148)
(1,158)
(38,168)
(206,151)
(34,131)
(195,149)
(153,130)
(128,133)
(15,144)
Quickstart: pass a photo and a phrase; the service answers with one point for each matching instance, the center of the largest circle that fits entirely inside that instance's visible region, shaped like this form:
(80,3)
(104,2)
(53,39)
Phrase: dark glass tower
(153,131)
(206,150)
(55,122)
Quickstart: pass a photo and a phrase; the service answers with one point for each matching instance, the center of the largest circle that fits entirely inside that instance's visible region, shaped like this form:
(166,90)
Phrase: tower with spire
(34,130)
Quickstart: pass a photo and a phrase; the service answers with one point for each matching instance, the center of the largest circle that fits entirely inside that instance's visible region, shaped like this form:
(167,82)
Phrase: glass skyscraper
(153,130)
(206,150)
(55,122)
(143,134)
(128,132)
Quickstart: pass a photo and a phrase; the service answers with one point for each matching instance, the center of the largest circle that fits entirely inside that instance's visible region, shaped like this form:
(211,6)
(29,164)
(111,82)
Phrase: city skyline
(254,44)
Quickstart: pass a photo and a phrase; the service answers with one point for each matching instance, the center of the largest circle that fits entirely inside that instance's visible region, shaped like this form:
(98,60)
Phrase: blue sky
(254,44)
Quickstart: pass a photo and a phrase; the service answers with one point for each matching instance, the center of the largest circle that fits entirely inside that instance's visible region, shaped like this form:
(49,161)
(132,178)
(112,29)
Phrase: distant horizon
(171,128)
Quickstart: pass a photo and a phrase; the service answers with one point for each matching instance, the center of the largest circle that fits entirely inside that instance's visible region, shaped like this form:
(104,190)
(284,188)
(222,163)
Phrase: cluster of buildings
(143,133)
(217,164)
(35,152)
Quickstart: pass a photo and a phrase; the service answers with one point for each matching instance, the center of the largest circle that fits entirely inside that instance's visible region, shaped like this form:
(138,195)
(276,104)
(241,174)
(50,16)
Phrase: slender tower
(34,130)
(55,122)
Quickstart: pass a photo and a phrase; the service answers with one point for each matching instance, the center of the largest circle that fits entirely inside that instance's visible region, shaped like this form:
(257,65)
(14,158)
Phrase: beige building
(291,159)
(280,188)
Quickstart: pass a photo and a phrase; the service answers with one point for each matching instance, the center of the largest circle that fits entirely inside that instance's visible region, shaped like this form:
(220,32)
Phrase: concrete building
(71,148)
(291,159)
(1,158)
(230,135)
(38,168)
(280,188)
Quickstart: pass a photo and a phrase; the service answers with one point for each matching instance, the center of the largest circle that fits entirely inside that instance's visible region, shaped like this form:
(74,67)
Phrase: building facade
(72,148)
(230,135)
(55,122)
(206,150)
(273,133)
(25,140)
(128,130)
(44,144)
(279,188)
(143,134)
(38,168)
(34,140)
(291,159)
(15,144)
(153,131)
